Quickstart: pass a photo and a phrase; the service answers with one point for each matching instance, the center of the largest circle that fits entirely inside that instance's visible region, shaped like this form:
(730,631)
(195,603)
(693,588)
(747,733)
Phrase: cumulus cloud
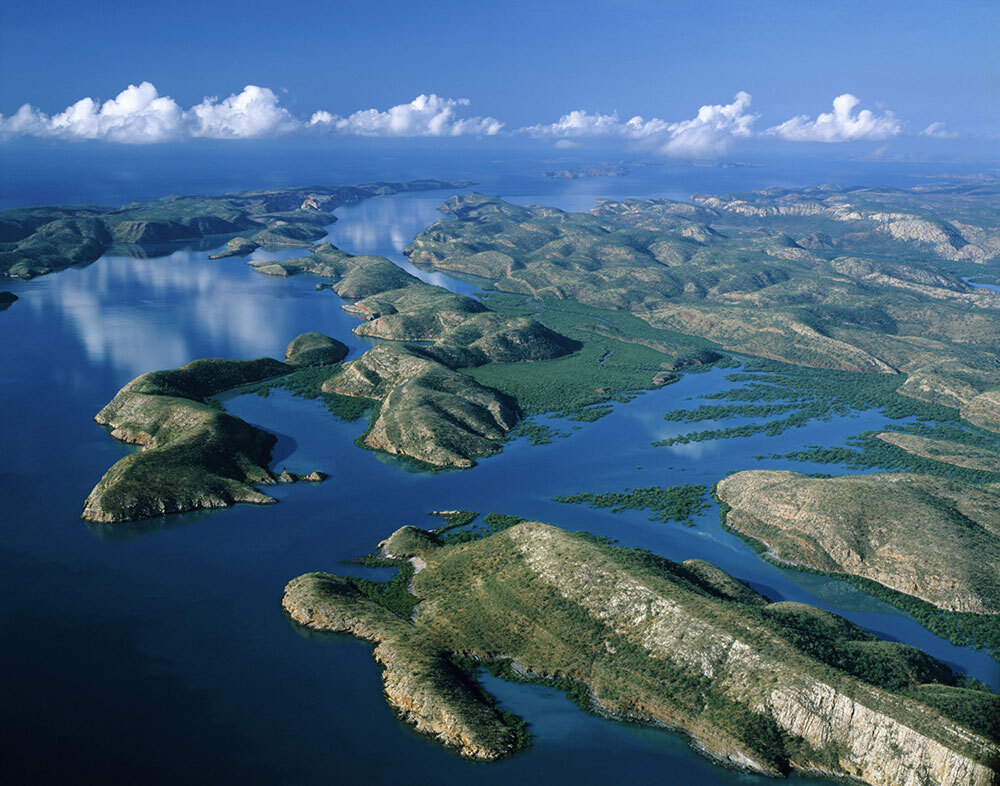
(425,115)
(937,130)
(841,125)
(137,114)
(140,115)
(253,113)
(708,133)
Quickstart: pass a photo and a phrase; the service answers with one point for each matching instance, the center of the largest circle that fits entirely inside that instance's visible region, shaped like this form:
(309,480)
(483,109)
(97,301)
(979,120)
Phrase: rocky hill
(764,686)
(929,537)
(855,279)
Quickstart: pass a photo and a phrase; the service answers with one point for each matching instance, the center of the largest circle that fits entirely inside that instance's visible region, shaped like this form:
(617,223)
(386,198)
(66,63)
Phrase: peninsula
(193,455)
(768,687)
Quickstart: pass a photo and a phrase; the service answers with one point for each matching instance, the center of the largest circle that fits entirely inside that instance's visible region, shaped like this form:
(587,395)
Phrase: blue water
(158,652)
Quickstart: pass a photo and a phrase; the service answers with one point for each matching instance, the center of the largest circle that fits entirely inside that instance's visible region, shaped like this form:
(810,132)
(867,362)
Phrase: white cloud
(425,115)
(137,114)
(937,131)
(710,132)
(578,123)
(253,113)
(841,125)
(140,115)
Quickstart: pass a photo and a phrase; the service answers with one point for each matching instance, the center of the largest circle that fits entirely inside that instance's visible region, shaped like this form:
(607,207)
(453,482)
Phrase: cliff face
(936,539)
(682,644)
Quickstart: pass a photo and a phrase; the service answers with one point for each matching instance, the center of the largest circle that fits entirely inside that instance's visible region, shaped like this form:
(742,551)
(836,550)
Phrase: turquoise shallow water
(158,652)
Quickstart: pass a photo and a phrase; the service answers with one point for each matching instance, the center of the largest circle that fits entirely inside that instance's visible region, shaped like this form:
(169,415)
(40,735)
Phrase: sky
(684,79)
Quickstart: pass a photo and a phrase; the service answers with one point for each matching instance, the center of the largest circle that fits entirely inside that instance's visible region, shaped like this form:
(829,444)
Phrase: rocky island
(768,687)
(193,455)
(427,409)
(932,538)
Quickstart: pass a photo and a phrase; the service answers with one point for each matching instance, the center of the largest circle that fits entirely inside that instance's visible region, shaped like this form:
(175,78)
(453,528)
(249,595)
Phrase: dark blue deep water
(158,652)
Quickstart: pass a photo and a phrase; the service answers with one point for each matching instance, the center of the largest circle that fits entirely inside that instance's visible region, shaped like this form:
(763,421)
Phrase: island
(194,455)
(769,687)
(859,279)
(427,410)
(6,300)
(577,172)
(38,240)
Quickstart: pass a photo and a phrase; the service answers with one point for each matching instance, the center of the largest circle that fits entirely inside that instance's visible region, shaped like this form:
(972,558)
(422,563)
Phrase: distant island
(575,173)
(768,687)
(38,240)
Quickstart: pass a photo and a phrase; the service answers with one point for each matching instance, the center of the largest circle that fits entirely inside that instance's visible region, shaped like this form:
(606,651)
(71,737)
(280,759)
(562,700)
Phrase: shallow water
(158,651)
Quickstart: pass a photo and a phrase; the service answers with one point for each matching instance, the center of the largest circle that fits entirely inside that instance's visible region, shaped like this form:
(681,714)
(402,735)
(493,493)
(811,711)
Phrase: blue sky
(520,64)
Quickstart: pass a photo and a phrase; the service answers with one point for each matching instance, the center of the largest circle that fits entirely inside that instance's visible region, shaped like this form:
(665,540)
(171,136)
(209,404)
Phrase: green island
(38,240)
(420,387)
(769,687)
(193,455)
(673,503)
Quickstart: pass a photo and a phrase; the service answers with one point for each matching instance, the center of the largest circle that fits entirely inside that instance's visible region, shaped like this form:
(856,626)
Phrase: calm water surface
(157,652)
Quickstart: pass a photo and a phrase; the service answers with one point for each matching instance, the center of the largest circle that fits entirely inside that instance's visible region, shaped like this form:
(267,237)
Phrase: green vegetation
(867,451)
(308,383)
(454,519)
(808,276)
(619,357)
(975,709)
(670,503)
(537,433)
(195,455)
(637,636)
(491,525)
(791,396)
(393,594)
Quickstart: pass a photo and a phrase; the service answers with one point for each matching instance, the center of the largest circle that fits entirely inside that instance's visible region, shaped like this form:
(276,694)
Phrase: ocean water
(158,652)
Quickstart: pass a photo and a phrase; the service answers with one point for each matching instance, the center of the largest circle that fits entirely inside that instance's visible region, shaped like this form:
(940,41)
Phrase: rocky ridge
(641,634)
(936,539)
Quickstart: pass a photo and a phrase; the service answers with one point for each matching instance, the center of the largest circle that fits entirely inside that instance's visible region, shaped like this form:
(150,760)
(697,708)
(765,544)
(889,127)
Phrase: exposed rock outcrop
(933,538)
